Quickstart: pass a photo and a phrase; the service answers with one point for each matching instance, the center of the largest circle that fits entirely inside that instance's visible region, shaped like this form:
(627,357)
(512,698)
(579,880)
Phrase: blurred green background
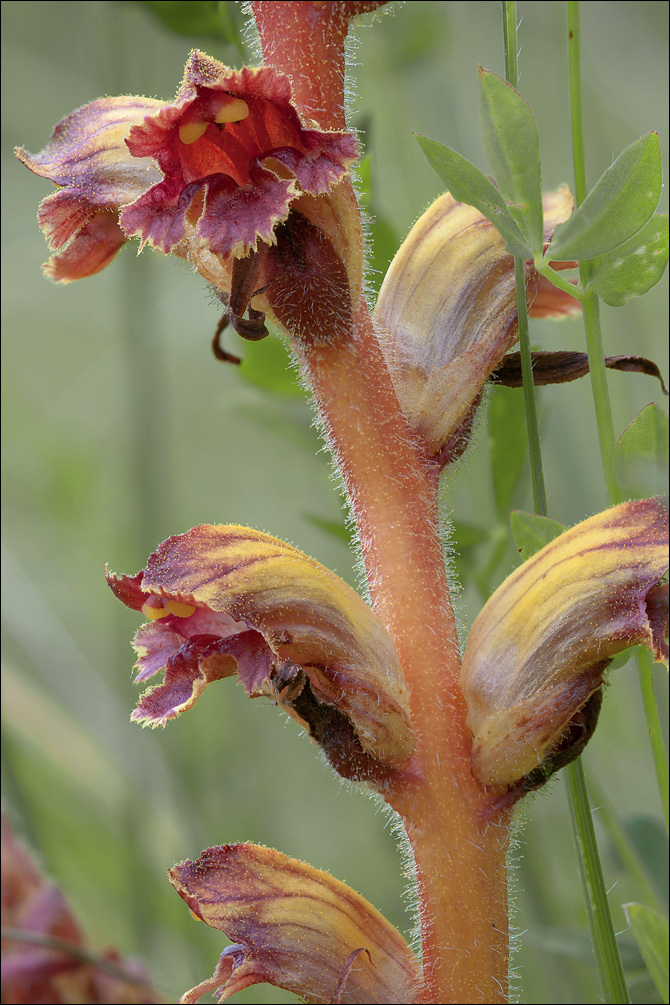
(120,428)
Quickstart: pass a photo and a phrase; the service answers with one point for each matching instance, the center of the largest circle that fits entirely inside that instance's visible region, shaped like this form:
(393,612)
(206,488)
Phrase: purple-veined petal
(295,927)
(539,647)
(238,601)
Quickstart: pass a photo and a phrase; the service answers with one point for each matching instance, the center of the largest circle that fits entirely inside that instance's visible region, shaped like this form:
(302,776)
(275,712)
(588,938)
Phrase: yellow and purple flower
(295,927)
(227,176)
(225,600)
(536,655)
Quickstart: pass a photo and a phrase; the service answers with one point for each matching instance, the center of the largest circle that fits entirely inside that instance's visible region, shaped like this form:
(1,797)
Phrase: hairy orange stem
(305,40)
(459,857)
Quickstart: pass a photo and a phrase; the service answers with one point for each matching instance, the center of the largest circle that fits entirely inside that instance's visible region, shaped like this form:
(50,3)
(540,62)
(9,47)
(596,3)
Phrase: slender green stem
(535,453)
(543,267)
(634,864)
(599,380)
(602,931)
(601,401)
(509,41)
(591,311)
(646,678)
(575,70)
(606,951)
(534,449)
(608,960)
(590,305)
(598,371)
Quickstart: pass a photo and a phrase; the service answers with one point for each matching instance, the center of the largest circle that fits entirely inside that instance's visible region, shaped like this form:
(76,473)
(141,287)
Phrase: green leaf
(513,146)
(649,837)
(622,201)
(267,364)
(194,17)
(532,531)
(335,528)
(631,269)
(509,446)
(651,934)
(467,184)
(640,456)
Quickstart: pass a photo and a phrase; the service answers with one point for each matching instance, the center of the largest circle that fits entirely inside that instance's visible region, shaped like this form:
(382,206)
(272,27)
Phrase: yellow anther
(179,610)
(152,612)
(234,111)
(192,131)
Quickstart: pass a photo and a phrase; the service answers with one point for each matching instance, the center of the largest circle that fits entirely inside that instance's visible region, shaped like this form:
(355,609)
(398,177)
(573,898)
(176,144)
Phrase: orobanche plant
(247,175)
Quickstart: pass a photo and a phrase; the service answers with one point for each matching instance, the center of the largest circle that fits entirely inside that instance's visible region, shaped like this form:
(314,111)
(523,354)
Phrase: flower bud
(447,313)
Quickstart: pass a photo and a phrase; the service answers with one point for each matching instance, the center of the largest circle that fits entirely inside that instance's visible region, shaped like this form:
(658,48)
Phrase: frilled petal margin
(236,135)
(228,599)
(538,649)
(294,927)
(88,159)
(447,312)
(208,177)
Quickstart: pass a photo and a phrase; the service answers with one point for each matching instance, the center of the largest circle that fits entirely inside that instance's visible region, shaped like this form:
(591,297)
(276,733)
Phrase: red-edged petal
(295,927)
(93,237)
(87,153)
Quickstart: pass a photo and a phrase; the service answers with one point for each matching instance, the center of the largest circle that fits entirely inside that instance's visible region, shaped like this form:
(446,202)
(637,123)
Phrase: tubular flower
(447,314)
(534,662)
(224,599)
(227,176)
(294,927)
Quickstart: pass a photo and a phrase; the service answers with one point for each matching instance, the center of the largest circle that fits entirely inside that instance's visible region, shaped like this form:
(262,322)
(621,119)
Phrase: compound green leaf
(513,146)
(634,267)
(622,201)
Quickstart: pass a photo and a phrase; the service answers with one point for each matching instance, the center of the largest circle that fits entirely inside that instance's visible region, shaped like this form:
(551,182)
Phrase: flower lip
(218,135)
(208,176)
